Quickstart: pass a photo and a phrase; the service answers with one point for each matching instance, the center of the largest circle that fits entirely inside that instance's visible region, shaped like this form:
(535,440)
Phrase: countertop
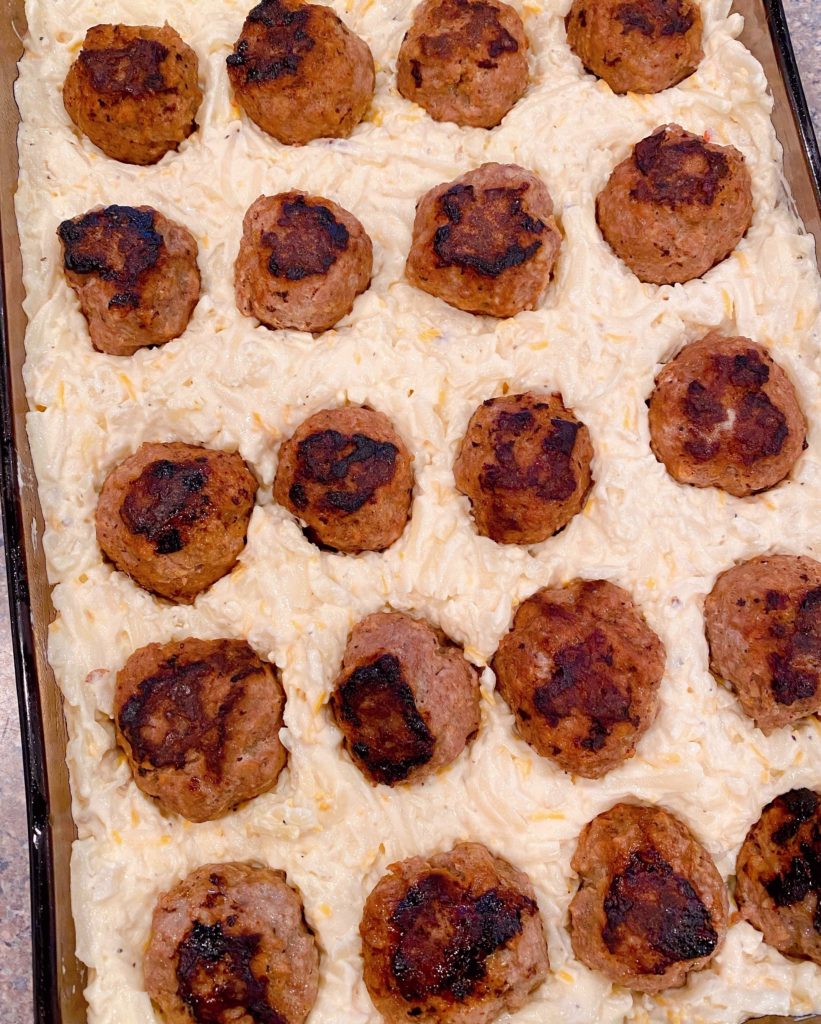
(15,949)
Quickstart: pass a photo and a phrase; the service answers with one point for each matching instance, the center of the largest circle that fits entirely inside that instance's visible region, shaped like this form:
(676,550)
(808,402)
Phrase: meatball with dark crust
(640,46)
(230,943)
(174,517)
(464,60)
(199,722)
(456,938)
(347,475)
(302,261)
(651,906)
(406,699)
(763,623)
(724,414)
(486,242)
(133,91)
(135,273)
(524,462)
(676,206)
(580,669)
(299,73)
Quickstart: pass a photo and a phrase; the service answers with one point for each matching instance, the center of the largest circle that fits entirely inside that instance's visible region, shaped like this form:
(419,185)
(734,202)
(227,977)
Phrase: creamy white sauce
(599,338)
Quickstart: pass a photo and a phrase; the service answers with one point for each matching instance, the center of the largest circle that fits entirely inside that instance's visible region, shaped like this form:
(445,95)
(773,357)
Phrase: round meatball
(464,60)
(456,938)
(580,669)
(174,517)
(135,273)
(302,261)
(405,700)
(347,475)
(676,206)
(486,242)
(778,874)
(651,906)
(763,623)
(299,73)
(524,462)
(133,91)
(230,942)
(199,722)
(637,45)
(724,414)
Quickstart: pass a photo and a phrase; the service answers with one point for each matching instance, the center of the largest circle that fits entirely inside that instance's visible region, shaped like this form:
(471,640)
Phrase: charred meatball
(199,722)
(676,207)
(299,73)
(135,273)
(637,45)
(724,414)
(302,261)
(133,91)
(580,669)
(651,906)
(778,874)
(763,622)
(524,462)
(174,517)
(486,242)
(230,942)
(464,60)
(347,475)
(454,939)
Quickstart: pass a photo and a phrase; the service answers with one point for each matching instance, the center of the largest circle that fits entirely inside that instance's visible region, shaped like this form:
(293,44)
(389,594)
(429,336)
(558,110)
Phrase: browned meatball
(486,242)
(174,517)
(199,722)
(637,45)
(524,462)
(676,206)
(778,874)
(651,906)
(724,414)
(133,91)
(405,699)
(230,943)
(580,669)
(302,261)
(464,60)
(347,475)
(763,622)
(452,939)
(135,273)
(299,73)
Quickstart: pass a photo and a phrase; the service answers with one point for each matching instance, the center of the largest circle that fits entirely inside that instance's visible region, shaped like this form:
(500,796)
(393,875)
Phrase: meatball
(464,60)
(651,906)
(453,939)
(135,273)
(763,624)
(778,874)
(302,261)
(486,242)
(524,462)
(405,700)
(724,414)
(199,722)
(133,91)
(174,517)
(347,475)
(676,207)
(299,73)
(230,942)
(637,45)
(580,669)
